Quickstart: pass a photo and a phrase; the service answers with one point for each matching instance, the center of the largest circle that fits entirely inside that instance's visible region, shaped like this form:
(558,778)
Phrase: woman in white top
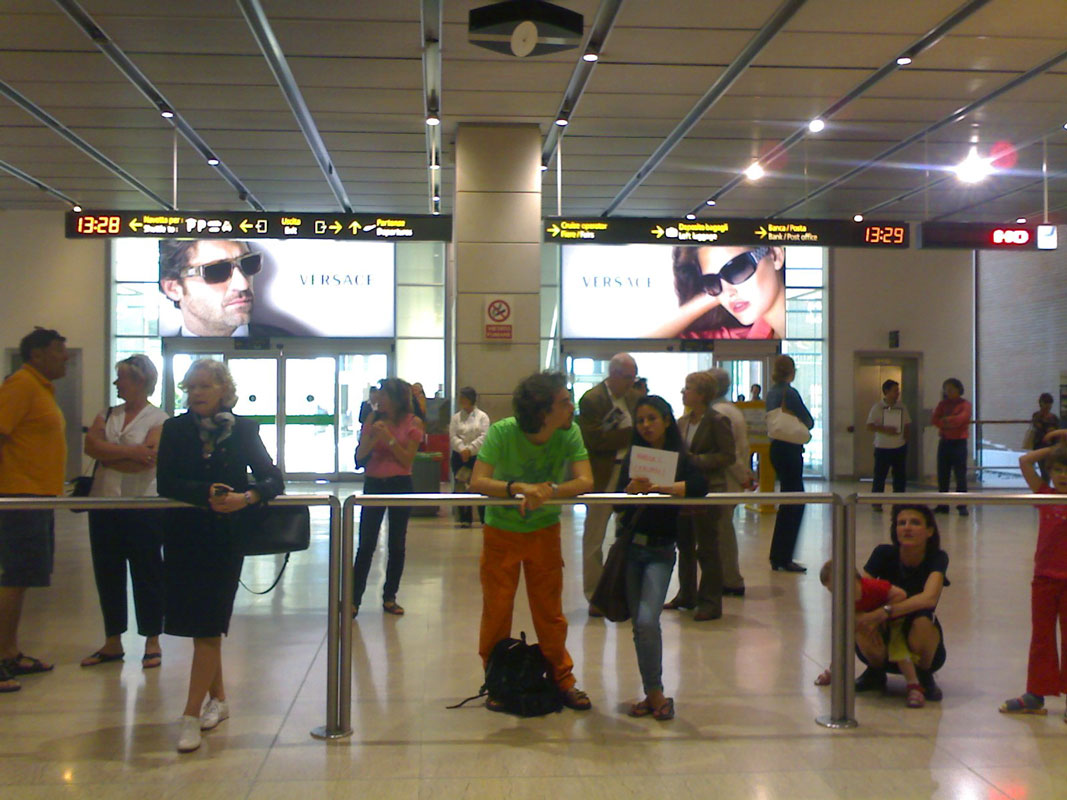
(467,432)
(124,440)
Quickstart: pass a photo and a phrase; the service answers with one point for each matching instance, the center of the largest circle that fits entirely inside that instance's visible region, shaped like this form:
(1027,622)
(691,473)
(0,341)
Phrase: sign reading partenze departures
(726,232)
(259,225)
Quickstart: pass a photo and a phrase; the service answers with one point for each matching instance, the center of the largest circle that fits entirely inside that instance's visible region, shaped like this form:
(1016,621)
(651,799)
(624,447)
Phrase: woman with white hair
(124,440)
(738,477)
(204,458)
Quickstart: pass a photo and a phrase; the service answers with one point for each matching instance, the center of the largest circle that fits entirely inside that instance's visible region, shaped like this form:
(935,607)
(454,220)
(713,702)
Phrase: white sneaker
(214,712)
(189,740)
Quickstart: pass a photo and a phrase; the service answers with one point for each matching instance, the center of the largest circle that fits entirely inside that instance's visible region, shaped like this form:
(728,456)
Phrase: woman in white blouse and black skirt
(467,432)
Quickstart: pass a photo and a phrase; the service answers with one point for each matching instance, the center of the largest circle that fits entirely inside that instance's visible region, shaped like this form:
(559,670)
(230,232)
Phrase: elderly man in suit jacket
(710,447)
(605,416)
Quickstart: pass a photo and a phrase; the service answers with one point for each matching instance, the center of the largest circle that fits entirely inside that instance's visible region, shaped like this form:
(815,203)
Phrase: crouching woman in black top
(651,554)
(204,458)
(916,563)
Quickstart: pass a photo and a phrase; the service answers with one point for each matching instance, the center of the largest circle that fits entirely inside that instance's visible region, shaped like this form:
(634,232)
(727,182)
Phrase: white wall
(928,295)
(59,283)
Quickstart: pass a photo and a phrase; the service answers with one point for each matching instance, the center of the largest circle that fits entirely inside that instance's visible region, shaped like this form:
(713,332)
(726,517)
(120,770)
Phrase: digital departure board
(258,225)
(727,232)
(987,236)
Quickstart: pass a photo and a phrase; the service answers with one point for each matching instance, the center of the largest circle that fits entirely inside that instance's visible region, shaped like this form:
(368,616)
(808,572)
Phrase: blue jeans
(648,574)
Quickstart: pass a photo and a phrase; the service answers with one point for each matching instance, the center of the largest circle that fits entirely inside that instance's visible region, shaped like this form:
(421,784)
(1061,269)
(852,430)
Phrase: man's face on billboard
(212,309)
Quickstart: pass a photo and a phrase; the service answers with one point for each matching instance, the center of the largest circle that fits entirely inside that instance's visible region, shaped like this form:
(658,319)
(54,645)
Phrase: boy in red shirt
(872,595)
(1046,672)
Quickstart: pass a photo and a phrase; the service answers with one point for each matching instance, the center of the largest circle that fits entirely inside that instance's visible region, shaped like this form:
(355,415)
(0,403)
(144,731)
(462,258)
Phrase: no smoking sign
(497,323)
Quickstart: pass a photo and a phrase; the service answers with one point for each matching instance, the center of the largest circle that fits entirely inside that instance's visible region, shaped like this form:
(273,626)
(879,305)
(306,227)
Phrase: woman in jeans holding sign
(654,531)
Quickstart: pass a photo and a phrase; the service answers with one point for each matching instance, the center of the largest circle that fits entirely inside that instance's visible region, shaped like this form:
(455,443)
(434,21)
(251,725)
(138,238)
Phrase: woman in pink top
(387,445)
(952,418)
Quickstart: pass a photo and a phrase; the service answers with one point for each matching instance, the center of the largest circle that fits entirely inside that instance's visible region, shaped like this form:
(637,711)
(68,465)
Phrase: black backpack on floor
(519,678)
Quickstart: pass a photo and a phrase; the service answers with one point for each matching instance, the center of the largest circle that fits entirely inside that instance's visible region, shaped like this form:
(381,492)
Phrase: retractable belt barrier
(342,536)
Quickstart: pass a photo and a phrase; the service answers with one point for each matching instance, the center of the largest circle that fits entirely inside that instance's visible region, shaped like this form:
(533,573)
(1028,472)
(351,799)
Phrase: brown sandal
(391,607)
(641,709)
(577,699)
(665,711)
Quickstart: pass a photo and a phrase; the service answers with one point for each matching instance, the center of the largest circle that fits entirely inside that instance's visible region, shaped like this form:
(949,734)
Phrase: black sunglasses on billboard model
(737,270)
(221,271)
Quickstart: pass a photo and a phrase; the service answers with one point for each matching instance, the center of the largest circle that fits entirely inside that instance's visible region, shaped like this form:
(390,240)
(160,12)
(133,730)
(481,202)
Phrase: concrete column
(497,240)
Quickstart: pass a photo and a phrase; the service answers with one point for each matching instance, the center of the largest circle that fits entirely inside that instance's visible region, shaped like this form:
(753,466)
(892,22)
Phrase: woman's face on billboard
(751,299)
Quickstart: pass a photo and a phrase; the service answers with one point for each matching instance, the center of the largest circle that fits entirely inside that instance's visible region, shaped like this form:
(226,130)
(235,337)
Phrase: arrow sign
(354,226)
(658,232)
(135,224)
(336,226)
(554,229)
(761,232)
(245,226)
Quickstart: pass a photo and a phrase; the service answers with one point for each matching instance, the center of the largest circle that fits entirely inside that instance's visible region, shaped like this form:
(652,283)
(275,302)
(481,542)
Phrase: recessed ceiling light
(816,125)
(544,168)
(1019,221)
(709,202)
(436,212)
(973,168)
(437,198)
(166,113)
(857,217)
(903,61)
(754,171)
(690,216)
(432,120)
(76,209)
(590,57)
(435,166)
(212,162)
(562,122)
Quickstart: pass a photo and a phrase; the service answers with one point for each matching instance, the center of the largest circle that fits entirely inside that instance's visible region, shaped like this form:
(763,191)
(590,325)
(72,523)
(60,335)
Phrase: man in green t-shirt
(526,456)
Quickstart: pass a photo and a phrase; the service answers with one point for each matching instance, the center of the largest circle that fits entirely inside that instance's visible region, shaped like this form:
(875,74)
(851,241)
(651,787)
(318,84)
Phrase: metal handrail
(332,729)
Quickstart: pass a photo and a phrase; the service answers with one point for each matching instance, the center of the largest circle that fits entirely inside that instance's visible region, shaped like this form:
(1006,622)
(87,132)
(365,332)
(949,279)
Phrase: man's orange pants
(539,554)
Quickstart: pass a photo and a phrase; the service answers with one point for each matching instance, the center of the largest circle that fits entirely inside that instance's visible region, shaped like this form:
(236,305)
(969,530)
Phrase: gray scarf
(214,430)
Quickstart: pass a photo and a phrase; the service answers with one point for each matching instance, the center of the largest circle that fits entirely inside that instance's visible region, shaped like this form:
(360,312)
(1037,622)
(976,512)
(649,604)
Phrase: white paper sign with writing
(659,466)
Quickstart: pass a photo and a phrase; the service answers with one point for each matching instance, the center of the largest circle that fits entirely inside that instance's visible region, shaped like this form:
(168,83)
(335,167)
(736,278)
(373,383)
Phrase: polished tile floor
(743,684)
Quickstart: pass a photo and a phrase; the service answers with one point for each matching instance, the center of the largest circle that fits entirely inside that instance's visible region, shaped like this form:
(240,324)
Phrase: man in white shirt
(891,424)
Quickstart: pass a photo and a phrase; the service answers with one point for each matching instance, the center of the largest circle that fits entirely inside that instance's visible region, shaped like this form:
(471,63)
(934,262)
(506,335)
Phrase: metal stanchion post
(842,689)
(333,729)
(344,697)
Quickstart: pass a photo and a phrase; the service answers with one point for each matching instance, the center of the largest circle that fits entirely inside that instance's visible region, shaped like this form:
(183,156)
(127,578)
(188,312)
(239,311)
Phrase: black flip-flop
(36,665)
(7,677)
(148,657)
(102,658)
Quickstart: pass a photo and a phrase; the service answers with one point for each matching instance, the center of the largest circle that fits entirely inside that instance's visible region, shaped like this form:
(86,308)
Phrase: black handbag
(265,530)
(609,596)
(82,486)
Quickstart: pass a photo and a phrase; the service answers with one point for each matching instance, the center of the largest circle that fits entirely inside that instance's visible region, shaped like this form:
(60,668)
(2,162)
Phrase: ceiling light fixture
(433,119)
(166,113)
(435,166)
(562,122)
(76,209)
(544,168)
(903,61)
(816,125)
(212,162)
(690,216)
(709,202)
(857,217)
(591,57)
(437,198)
(1019,221)
(754,171)
(973,168)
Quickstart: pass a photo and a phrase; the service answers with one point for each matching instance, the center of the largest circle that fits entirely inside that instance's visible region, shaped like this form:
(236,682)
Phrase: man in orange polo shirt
(33,454)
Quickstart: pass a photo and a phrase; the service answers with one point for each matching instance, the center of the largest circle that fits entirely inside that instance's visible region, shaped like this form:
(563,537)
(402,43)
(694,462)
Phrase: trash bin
(426,478)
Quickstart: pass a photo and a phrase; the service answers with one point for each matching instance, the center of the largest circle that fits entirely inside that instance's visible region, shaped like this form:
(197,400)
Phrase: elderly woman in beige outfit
(738,478)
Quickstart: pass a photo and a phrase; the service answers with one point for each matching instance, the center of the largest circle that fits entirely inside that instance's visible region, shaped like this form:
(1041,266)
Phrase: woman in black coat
(204,457)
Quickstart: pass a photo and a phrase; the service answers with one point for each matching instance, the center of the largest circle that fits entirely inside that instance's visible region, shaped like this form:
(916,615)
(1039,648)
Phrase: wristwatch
(888,609)
(507,489)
